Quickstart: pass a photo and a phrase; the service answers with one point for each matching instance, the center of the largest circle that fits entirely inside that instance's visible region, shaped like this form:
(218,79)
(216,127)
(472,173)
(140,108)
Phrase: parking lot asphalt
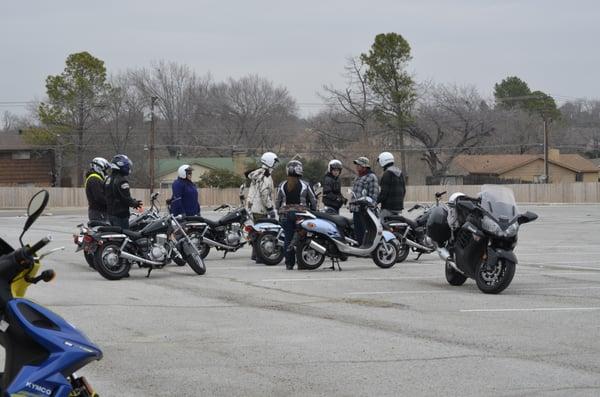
(250,330)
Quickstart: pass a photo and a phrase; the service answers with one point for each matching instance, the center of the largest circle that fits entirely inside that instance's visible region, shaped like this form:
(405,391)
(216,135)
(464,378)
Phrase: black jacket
(118,196)
(332,191)
(94,191)
(393,189)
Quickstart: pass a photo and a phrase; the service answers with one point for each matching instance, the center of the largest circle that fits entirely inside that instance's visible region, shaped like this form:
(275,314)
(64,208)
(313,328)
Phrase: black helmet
(294,168)
(122,163)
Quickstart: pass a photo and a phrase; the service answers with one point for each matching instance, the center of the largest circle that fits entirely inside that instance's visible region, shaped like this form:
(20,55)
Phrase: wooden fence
(581,192)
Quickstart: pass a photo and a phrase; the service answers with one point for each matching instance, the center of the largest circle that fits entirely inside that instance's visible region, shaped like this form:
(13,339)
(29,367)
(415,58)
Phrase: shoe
(289,267)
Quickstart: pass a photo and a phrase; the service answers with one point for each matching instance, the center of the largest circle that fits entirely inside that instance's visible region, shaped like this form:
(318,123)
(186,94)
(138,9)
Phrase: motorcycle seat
(196,218)
(132,235)
(110,229)
(266,220)
(95,223)
(340,221)
(400,218)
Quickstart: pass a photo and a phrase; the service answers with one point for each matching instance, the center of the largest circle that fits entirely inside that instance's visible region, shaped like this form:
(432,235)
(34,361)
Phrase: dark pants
(331,210)
(288,222)
(123,223)
(359,228)
(95,215)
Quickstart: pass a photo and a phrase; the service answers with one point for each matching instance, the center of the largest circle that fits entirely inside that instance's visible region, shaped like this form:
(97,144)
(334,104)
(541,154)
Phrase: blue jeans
(288,222)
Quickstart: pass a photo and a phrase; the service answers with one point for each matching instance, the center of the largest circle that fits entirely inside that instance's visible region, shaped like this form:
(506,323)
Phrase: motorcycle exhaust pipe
(317,247)
(444,254)
(213,243)
(419,246)
(131,257)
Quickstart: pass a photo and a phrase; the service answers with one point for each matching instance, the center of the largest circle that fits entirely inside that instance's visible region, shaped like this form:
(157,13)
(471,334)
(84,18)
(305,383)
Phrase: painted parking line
(533,309)
(453,291)
(275,280)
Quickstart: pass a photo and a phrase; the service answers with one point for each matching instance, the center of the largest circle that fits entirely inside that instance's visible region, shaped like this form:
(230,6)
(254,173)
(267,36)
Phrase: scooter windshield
(499,201)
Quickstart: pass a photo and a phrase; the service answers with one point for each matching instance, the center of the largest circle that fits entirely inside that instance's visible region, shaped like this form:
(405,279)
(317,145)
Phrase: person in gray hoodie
(393,188)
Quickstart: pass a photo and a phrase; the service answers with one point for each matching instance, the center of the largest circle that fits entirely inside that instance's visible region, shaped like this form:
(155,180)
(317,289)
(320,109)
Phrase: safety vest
(92,175)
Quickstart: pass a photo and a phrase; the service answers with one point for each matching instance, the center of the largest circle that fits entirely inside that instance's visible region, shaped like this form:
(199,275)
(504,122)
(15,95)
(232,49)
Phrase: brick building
(22,164)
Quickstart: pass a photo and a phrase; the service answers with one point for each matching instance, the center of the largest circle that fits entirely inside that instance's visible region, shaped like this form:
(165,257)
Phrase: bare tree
(179,92)
(250,111)
(448,121)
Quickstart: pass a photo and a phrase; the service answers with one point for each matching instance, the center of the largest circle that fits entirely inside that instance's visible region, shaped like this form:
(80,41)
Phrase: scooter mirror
(35,208)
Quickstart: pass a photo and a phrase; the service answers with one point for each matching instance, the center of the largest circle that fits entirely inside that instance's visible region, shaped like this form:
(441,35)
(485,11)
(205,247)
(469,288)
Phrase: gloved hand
(139,204)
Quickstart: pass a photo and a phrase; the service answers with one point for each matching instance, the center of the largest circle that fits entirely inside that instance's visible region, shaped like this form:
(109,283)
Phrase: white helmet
(334,164)
(454,197)
(269,159)
(100,165)
(385,158)
(183,171)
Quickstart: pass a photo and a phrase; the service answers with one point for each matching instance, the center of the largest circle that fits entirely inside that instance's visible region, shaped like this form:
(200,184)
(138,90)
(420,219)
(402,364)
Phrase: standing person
(293,195)
(184,199)
(393,188)
(260,192)
(94,189)
(118,195)
(367,181)
(332,188)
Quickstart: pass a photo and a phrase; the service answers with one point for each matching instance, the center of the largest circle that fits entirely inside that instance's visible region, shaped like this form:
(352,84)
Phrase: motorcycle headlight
(512,230)
(491,226)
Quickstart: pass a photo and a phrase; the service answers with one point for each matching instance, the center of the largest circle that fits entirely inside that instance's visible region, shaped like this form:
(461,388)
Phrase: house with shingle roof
(562,168)
(23,164)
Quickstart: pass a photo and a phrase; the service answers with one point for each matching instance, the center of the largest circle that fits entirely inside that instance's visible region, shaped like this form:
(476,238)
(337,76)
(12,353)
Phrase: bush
(220,178)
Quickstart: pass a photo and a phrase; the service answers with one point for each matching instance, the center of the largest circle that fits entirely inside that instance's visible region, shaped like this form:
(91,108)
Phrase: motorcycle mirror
(35,208)
(154,195)
(527,217)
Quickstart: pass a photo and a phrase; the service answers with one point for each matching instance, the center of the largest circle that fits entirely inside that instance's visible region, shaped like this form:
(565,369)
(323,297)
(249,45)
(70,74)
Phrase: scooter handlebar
(31,250)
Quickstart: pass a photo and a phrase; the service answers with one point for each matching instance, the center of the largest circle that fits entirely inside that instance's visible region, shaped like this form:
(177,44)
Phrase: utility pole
(151,151)
(546,174)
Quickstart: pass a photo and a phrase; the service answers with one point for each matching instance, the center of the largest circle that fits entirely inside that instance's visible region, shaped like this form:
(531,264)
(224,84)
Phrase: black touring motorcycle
(476,237)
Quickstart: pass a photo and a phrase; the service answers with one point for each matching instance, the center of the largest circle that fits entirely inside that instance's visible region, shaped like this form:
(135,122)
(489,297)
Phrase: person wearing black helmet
(293,195)
(332,188)
(118,194)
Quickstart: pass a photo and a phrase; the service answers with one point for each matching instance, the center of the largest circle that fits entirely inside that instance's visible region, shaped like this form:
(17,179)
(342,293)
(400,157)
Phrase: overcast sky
(552,45)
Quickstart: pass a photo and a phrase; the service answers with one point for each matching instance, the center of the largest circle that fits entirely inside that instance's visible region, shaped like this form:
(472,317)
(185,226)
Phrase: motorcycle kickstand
(224,254)
(149,271)
(418,256)
(333,263)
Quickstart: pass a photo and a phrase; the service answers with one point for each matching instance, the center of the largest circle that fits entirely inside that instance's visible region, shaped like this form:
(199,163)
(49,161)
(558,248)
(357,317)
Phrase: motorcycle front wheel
(193,259)
(204,249)
(307,257)
(495,279)
(268,250)
(108,263)
(386,254)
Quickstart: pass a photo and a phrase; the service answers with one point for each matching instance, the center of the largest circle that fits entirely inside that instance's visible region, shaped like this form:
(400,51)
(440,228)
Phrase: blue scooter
(321,235)
(43,351)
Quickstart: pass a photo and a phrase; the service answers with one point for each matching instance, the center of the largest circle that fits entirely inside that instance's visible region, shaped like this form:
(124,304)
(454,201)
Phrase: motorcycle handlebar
(440,194)
(31,250)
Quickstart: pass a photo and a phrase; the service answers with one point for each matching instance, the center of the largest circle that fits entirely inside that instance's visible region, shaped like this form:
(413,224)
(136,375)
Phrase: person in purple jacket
(185,193)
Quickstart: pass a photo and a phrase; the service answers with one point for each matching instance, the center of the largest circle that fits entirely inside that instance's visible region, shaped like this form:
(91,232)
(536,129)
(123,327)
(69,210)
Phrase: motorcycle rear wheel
(496,280)
(89,258)
(403,251)
(268,250)
(108,263)
(307,257)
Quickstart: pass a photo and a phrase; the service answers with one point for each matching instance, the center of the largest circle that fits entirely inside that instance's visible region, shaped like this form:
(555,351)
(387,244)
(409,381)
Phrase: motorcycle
(475,237)
(321,235)
(161,241)
(86,239)
(43,351)
(411,233)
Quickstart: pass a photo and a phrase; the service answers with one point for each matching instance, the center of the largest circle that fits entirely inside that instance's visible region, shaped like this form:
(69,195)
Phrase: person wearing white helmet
(393,188)
(332,188)
(184,200)
(94,189)
(260,193)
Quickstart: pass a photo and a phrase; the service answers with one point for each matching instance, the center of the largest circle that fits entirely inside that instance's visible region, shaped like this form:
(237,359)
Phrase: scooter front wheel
(307,257)
(386,254)
(268,250)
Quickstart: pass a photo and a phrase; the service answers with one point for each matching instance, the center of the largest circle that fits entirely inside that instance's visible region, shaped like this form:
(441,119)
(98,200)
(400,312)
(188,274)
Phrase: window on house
(21,155)
(579,177)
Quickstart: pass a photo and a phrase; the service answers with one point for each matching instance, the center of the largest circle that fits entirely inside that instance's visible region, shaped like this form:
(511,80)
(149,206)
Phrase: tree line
(381,106)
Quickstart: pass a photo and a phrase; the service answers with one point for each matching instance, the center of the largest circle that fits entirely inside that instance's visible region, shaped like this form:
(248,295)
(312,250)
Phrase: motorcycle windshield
(499,201)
